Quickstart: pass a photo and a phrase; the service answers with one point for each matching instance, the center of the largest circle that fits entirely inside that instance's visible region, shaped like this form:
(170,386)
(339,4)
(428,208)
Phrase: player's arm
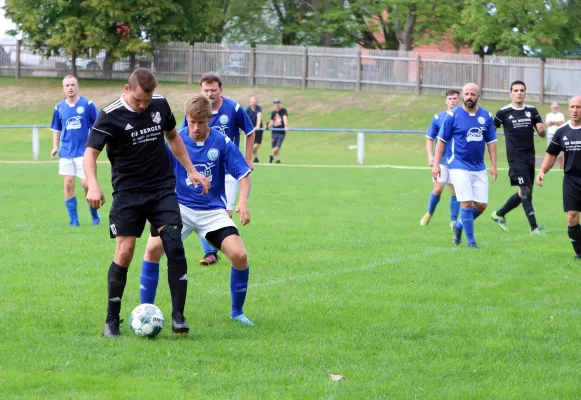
(243,122)
(56,138)
(100,135)
(258,120)
(491,144)
(430,136)
(242,206)
(248,147)
(542,131)
(178,149)
(444,134)
(56,127)
(553,150)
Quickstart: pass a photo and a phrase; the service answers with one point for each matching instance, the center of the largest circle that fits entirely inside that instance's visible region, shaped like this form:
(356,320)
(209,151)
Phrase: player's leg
(480,201)
(513,201)
(433,201)
(572,206)
(126,223)
(257,143)
(223,235)
(454,206)
(276,151)
(80,173)
(463,187)
(164,214)
(67,171)
(574,231)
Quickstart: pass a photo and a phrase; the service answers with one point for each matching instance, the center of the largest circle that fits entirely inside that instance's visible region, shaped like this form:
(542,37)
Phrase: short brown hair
(199,107)
(452,92)
(143,78)
(211,77)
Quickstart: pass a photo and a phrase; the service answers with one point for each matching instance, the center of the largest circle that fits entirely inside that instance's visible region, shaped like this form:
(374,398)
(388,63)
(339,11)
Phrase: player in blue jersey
(229,118)
(467,131)
(72,121)
(214,156)
(444,178)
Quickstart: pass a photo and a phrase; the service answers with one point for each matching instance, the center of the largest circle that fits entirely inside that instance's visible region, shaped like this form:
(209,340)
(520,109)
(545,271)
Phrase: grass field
(343,278)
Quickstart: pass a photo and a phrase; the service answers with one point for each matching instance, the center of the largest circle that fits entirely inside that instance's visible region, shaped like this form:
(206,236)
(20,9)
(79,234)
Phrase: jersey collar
(127,106)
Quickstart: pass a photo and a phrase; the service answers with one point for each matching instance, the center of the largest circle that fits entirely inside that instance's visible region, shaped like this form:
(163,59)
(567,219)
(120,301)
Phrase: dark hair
(211,77)
(518,83)
(452,92)
(143,78)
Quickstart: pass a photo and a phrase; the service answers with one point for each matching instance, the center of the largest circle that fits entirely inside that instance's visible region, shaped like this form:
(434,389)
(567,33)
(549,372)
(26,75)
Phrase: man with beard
(467,128)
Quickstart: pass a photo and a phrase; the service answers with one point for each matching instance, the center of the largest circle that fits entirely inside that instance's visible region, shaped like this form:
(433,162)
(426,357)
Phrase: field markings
(381,166)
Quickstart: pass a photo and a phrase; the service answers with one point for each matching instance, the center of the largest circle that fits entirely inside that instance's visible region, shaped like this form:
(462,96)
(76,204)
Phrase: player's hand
(242,209)
(540,178)
(250,164)
(541,129)
(436,171)
(95,197)
(493,173)
(196,178)
(53,152)
(286,128)
(430,161)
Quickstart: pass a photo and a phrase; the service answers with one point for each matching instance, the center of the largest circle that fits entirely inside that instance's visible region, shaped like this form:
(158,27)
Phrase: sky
(4,23)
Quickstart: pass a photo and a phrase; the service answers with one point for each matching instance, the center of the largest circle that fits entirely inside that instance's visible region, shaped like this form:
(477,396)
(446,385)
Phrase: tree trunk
(327,36)
(74,61)
(132,62)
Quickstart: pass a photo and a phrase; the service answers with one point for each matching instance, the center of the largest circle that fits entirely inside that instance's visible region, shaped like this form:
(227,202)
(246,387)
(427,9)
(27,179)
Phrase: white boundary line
(382,166)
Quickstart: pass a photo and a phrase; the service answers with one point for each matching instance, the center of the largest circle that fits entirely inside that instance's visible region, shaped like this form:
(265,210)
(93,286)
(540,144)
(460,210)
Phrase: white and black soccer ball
(146,320)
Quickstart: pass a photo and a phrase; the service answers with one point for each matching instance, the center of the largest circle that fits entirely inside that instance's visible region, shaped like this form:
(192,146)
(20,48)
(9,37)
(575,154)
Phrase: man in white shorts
(553,121)
(229,118)
(467,129)
(212,154)
(72,121)
(443,179)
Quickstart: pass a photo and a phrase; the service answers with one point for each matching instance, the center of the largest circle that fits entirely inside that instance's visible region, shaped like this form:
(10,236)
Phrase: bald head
(71,87)
(253,101)
(575,111)
(470,96)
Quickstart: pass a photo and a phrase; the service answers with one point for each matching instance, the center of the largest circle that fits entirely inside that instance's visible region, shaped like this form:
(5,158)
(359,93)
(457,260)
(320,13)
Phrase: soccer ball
(146,320)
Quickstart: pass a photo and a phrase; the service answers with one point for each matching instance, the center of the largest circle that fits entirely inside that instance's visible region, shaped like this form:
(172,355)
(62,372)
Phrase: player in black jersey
(133,129)
(568,140)
(519,121)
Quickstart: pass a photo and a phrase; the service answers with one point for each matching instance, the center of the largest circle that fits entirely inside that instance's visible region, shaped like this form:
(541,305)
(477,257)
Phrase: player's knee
(480,207)
(69,184)
(239,259)
(526,193)
(124,254)
(572,218)
(154,249)
(171,238)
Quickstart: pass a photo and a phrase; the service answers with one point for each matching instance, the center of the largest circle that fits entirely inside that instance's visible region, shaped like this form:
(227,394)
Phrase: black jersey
(568,140)
(519,131)
(277,118)
(135,144)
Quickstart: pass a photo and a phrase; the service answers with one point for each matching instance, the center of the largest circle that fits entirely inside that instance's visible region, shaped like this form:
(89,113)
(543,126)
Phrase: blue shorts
(277,139)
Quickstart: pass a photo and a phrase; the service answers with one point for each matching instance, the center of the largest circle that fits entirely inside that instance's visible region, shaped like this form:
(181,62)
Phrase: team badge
(223,119)
(156,117)
(481,120)
(80,109)
(528,114)
(213,154)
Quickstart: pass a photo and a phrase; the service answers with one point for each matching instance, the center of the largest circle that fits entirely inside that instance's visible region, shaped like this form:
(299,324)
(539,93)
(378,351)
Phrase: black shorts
(130,210)
(522,173)
(571,193)
(258,136)
(277,139)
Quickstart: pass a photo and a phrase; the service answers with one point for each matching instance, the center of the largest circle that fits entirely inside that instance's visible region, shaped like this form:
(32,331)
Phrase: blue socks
(148,282)
(208,249)
(454,208)
(433,203)
(71,205)
(467,217)
(238,288)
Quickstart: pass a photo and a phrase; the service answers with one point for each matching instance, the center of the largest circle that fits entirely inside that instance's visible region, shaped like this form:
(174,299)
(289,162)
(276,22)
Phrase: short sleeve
(170,120)
(258,109)
(434,127)
(498,119)
(490,130)
(235,163)
(445,132)
(56,124)
(556,145)
(537,117)
(103,130)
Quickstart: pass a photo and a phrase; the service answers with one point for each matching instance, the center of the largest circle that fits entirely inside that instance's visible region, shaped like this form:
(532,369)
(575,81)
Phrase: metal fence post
(18,64)
(35,143)
(358,71)
(190,65)
(418,74)
(542,80)
(360,147)
(305,68)
(252,65)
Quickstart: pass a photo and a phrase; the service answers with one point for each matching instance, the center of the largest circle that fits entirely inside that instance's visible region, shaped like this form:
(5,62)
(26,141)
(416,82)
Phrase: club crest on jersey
(223,119)
(528,114)
(474,135)
(80,109)
(213,154)
(156,117)
(481,120)
(204,169)
(73,123)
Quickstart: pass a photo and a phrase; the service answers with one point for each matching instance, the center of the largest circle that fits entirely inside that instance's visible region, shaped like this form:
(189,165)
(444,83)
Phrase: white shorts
(444,175)
(203,222)
(231,185)
(72,167)
(470,185)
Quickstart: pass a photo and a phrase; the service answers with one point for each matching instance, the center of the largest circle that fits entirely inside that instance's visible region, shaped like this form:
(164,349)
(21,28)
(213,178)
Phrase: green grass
(343,281)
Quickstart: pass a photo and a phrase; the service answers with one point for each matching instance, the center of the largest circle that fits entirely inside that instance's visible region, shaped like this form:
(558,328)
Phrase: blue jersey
(230,119)
(212,158)
(466,136)
(435,128)
(74,122)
